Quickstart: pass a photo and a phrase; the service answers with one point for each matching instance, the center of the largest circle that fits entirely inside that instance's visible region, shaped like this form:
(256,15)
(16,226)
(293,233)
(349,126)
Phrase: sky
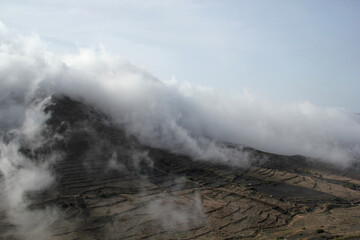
(281,51)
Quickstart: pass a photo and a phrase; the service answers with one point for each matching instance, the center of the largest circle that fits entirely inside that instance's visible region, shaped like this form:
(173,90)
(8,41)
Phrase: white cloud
(177,215)
(173,115)
(21,175)
(181,117)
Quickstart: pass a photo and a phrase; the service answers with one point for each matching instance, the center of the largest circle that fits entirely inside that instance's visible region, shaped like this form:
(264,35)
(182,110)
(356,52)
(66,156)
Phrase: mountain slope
(108,185)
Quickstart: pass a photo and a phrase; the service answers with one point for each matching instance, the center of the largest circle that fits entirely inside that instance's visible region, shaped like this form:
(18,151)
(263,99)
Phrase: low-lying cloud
(177,215)
(180,117)
(23,174)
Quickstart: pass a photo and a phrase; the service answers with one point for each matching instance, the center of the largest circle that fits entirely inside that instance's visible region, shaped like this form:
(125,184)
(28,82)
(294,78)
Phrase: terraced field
(109,186)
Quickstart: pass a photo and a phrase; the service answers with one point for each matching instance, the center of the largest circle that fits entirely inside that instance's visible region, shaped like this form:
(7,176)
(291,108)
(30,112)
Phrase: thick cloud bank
(178,116)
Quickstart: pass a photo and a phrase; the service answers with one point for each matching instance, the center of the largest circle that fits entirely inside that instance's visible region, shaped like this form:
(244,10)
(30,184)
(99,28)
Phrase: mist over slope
(180,117)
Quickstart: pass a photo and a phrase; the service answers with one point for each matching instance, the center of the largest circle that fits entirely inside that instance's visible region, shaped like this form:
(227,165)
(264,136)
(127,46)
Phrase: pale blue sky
(283,51)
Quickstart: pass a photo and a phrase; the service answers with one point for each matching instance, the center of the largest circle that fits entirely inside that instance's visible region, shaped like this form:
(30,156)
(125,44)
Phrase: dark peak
(69,112)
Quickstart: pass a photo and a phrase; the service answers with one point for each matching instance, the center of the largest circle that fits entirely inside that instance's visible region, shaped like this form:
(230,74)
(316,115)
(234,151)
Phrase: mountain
(104,183)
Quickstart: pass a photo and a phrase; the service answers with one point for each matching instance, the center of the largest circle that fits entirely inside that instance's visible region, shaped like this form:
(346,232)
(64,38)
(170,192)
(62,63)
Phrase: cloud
(23,173)
(133,160)
(180,117)
(172,214)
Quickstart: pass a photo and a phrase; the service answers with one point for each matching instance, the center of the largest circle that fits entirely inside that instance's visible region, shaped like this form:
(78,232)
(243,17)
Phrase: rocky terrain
(110,186)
